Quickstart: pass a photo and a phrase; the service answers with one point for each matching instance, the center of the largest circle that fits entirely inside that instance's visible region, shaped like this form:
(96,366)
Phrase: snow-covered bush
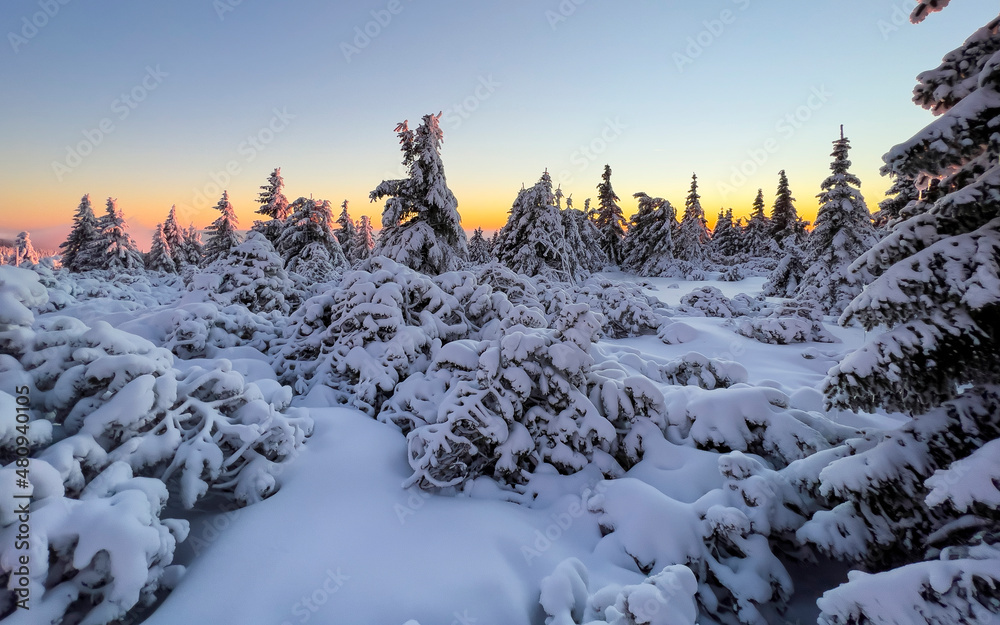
(252,275)
(20,290)
(784,330)
(115,396)
(676,332)
(379,326)
(707,301)
(199,330)
(722,539)
(667,598)
(732,274)
(623,308)
(501,406)
(750,419)
(93,557)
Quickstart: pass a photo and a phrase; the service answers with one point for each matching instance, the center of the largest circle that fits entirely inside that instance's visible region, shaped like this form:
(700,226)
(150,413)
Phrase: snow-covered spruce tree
(648,249)
(194,250)
(274,206)
(365,241)
(918,507)
(347,233)
(223,234)
(788,232)
(421,227)
(609,220)
(120,251)
(582,237)
(726,235)
(272,200)
(308,244)
(78,248)
(787,228)
(533,242)
(252,275)
(173,236)
(757,241)
(479,248)
(160,256)
(693,236)
(843,232)
(24,251)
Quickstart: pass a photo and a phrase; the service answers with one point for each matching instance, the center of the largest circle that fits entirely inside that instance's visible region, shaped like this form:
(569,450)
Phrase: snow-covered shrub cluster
(115,425)
(622,308)
(252,274)
(793,322)
(501,406)
(199,330)
(707,301)
(716,559)
(750,419)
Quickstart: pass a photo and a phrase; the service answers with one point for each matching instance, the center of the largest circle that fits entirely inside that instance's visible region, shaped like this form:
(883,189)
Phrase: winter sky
(152,102)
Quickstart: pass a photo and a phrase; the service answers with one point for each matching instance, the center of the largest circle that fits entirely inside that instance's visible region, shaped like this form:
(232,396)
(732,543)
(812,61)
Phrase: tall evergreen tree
(160,256)
(421,227)
(78,248)
(648,248)
(918,506)
(223,235)
(272,200)
(365,238)
(787,228)
(692,236)
(843,232)
(533,241)
(757,239)
(609,220)
(726,235)
(173,236)
(479,248)
(121,253)
(308,245)
(346,233)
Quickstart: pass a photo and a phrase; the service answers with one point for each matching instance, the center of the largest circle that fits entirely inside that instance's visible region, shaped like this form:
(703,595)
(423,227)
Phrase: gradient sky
(656,89)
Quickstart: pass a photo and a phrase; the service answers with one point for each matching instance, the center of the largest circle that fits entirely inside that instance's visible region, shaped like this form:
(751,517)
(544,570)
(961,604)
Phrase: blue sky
(150,102)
